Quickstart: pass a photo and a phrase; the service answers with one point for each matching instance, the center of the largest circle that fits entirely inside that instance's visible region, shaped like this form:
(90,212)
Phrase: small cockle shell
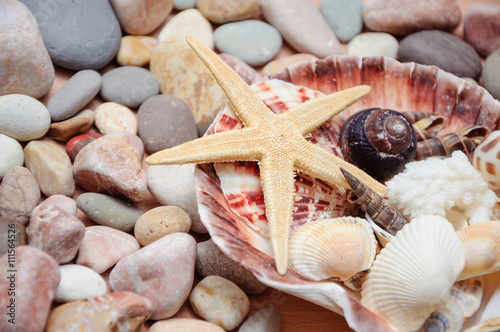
(449,318)
(486,159)
(332,248)
(468,294)
(412,276)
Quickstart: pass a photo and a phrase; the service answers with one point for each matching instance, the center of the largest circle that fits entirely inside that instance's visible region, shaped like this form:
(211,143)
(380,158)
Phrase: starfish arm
(313,113)
(249,108)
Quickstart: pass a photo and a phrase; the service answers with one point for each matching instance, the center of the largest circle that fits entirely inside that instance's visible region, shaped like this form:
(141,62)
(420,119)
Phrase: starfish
(275,141)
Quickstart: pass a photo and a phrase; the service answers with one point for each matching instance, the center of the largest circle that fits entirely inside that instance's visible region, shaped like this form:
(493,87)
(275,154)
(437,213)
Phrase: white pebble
(79,282)
(373,44)
(12,154)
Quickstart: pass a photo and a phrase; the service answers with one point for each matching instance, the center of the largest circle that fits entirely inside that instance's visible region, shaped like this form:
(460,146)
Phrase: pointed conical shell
(468,294)
(412,276)
(332,248)
(450,318)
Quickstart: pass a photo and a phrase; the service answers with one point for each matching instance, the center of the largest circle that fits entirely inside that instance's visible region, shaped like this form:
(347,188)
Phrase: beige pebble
(189,22)
(161,221)
(184,325)
(224,11)
(136,50)
(470,80)
(111,117)
(277,65)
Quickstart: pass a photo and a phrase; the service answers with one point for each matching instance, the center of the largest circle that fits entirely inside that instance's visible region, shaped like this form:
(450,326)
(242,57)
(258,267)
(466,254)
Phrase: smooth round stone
(17,113)
(185,325)
(279,64)
(140,17)
(184,4)
(482,27)
(77,143)
(159,222)
(26,65)
(112,117)
(136,50)
(444,50)
(373,44)
(12,154)
(63,202)
(78,34)
(247,73)
(189,22)
(64,130)
(109,211)
(345,17)
(219,301)
(12,235)
(224,11)
(77,92)
(51,167)
(165,121)
(254,42)
(491,74)
(266,319)
(79,282)
(129,86)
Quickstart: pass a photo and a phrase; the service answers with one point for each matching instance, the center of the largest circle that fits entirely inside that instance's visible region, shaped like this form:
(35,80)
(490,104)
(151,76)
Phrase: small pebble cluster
(126,266)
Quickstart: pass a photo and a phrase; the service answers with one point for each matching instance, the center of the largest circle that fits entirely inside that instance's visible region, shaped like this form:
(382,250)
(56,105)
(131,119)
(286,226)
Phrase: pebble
(491,74)
(165,121)
(161,180)
(162,272)
(26,65)
(17,114)
(373,44)
(56,232)
(102,247)
(266,319)
(345,17)
(178,69)
(77,92)
(247,73)
(35,282)
(219,301)
(112,117)
(19,195)
(12,235)
(482,27)
(159,222)
(224,11)
(63,202)
(112,164)
(442,49)
(119,311)
(189,22)
(279,64)
(406,16)
(79,282)
(302,26)
(51,167)
(184,325)
(78,34)
(64,130)
(254,42)
(12,154)
(140,17)
(210,260)
(129,86)
(77,143)
(184,4)
(136,50)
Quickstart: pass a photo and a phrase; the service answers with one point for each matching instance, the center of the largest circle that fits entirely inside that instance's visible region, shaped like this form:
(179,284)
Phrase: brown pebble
(161,221)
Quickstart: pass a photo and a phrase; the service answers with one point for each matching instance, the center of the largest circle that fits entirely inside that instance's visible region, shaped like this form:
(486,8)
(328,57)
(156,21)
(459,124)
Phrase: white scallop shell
(412,276)
(449,318)
(468,294)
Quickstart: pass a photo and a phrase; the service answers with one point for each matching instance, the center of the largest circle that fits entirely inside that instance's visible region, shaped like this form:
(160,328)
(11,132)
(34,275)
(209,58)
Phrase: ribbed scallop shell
(332,248)
(468,294)
(412,276)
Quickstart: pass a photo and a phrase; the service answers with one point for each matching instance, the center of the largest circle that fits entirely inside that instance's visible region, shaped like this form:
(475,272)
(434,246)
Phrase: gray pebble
(491,74)
(267,319)
(184,4)
(345,17)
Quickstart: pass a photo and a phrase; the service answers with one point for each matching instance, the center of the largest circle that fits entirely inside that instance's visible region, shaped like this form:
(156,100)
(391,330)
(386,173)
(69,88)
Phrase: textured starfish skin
(276,141)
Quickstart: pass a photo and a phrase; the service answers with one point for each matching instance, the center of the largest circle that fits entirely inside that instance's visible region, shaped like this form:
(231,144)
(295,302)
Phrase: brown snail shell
(379,141)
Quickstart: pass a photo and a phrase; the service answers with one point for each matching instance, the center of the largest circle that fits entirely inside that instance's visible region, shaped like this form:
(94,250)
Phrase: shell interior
(468,294)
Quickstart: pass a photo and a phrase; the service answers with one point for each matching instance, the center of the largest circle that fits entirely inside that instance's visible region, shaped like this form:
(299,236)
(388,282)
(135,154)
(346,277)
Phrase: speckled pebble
(189,22)
(159,222)
(345,17)
(184,4)
(246,72)
(491,74)
(112,117)
(184,325)
(267,319)
(279,64)
(373,44)
(11,233)
(224,11)
(79,282)
(12,154)
(136,50)
(64,130)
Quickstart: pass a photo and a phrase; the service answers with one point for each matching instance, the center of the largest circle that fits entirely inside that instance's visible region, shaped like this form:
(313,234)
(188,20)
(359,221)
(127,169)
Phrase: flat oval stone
(136,50)
(51,167)
(112,117)
(79,282)
(219,301)
(16,117)
(19,195)
(184,4)
(279,64)
(26,65)
(140,17)
(77,92)
(12,154)
(444,50)
(189,22)
(78,35)
(373,44)
(159,222)
(12,235)
(63,202)
(77,143)
(184,325)
(162,272)
(491,73)
(345,17)
(266,319)
(165,121)
(247,73)
(482,27)
(102,247)
(224,11)
(129,86)
(254,42)
(64,130)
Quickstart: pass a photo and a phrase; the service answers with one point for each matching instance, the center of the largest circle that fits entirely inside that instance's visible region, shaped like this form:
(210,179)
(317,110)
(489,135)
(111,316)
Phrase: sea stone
(373,44)
(302,26)
(189,22)
(50,166)
(26,65)
(184,4)
(112,165)
(266,319)
(109,211)
(12,154)
(406,16)
(482,27)
(444,50)
(210,260)
(162,272)
(119,311)
(345,17)
(112,117)
(79,282)
(80,34)
(159,222)
(140,17)
(77,143)
(247,73)
(178,69)
(136,50)
(36,279)
(12,235)
(491,74)
(165,121)
(17,113)
(224,11)
(77,92)
(64,130)
(279,64)
(254,42)
(174,185)
(56,232)
(185,325)
(63,202)
(219,301)
(19,195)
(102,247)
